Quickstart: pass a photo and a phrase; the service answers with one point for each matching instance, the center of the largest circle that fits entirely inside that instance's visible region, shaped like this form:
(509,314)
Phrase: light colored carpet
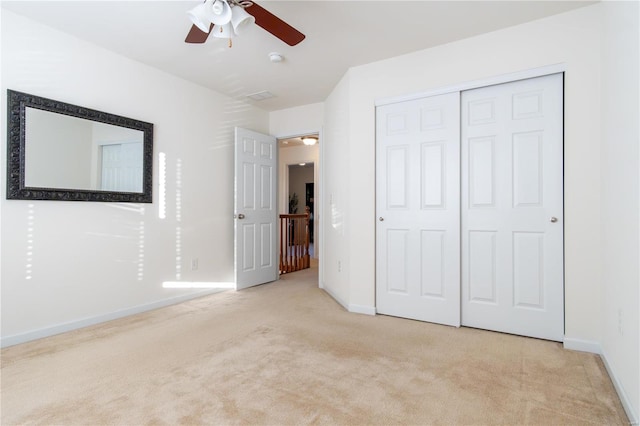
(287,354)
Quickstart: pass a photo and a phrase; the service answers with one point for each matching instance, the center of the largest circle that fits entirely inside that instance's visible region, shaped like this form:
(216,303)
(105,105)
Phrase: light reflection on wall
(336,219)
(178,219)
(141,249)
(162,183)
(30,228)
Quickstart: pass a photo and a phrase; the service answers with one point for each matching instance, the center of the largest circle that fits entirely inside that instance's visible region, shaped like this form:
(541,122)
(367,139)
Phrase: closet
(469,205)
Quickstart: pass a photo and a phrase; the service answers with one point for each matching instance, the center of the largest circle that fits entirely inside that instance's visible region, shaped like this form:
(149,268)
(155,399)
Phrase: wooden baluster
(300,236)
(288,244)
(280,269)
(294,242)
(292,252)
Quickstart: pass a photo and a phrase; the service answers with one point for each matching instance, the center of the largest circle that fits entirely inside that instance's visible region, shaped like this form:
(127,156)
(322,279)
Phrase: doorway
(301,194)
(299,184)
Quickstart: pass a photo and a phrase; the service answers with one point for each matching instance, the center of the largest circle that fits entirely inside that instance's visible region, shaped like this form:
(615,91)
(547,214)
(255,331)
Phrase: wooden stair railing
(294,242)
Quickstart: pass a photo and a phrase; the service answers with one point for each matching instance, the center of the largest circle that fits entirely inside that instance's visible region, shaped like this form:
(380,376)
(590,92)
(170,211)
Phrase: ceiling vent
(260,96)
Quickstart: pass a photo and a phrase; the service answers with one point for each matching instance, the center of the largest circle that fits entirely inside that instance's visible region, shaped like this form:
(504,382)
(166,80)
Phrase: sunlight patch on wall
(162,183)
(336,218)
(30,227)
(141,249)
(178,219)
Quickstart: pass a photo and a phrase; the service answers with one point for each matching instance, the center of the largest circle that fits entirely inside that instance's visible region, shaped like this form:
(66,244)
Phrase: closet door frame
(476,84)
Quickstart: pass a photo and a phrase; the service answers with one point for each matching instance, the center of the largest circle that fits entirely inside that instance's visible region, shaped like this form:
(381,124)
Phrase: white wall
(57,154)
(574,40)
(620,196)
(70,263)
(296,121)
(335,208)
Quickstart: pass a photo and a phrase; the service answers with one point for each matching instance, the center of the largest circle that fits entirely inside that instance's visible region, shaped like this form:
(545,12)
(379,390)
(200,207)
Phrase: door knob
(240,216)
(553,219)
(381,219)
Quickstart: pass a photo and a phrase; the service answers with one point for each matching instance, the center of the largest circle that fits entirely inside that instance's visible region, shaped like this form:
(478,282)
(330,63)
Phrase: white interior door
(255,208)
(418,208)
(512,208)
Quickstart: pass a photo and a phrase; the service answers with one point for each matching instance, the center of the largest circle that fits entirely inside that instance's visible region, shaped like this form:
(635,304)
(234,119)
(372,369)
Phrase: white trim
(596,348)
(360,309)
(624,398)
(298,134)
(474,84)
(582,345)
(86,322)
(318,251)
(336,298)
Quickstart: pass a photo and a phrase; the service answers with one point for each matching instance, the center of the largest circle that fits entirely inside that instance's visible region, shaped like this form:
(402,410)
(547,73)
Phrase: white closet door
(512,208)
(122,167)
(418,209)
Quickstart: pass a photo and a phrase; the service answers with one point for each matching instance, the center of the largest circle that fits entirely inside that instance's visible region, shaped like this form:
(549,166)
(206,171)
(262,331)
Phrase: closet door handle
(553,219)
(381,219)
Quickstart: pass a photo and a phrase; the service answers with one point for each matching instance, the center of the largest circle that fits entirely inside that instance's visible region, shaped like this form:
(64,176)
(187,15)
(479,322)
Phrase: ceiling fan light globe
(240,19)
(220,12)
(201,16)
(223,31)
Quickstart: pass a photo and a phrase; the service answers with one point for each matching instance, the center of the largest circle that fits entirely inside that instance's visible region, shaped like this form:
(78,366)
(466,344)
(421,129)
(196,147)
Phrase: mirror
(59,151)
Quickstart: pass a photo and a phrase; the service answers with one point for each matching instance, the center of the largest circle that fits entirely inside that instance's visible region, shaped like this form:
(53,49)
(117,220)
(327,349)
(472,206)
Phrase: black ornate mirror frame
(16,125)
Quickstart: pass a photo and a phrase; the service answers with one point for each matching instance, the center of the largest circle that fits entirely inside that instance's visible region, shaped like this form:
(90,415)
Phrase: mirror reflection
(70,152)
(65,152)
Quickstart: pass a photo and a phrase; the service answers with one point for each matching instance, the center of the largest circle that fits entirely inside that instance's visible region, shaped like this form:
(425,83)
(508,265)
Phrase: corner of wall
(596,348)
(622,393)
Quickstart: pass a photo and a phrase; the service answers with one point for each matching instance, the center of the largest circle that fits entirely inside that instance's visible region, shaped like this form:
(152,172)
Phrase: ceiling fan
(227,18)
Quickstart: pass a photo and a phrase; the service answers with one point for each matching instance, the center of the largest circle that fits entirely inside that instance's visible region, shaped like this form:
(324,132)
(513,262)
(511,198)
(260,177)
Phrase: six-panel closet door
(512,208)
(469,198)
(418,208)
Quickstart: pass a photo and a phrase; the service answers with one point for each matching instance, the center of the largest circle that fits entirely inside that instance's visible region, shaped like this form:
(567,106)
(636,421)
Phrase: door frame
(318,196)
(476,84)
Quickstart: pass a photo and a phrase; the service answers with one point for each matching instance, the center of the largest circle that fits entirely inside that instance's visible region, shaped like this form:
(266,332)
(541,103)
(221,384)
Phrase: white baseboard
(624,398)
(596,348)
(356,309)
(359,309)
(335,297)
(582,345)
(85,322)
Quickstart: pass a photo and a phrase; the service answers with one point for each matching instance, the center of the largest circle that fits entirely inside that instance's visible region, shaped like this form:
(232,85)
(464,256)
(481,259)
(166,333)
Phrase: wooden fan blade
(275,25)
(196,35)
